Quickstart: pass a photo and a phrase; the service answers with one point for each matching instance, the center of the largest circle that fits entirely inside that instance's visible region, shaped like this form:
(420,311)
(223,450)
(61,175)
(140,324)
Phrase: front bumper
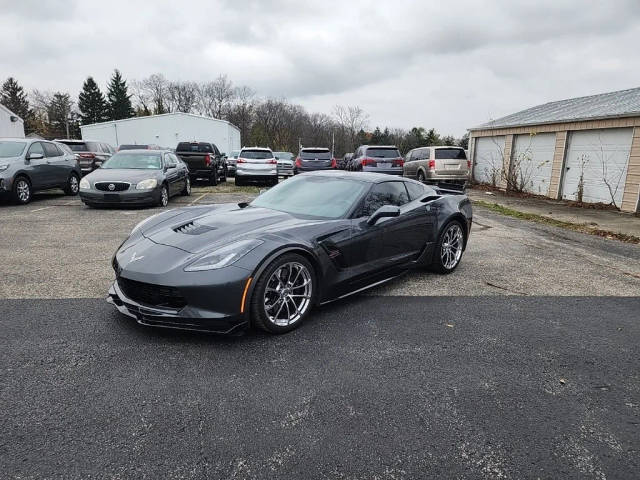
(127,197)
(187,318)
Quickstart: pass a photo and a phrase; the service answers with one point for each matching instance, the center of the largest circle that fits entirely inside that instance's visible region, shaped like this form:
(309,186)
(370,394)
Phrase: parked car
(149,146)
(315,238)
(27,166)
(313,158)
(437,165)
(136,177)
(91,154)
(379,159)
(231,162)
(344,161)
(285,163)
(256,164)
(204,160)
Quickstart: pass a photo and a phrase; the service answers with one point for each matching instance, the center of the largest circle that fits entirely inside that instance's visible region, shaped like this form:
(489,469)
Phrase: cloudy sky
(448,65)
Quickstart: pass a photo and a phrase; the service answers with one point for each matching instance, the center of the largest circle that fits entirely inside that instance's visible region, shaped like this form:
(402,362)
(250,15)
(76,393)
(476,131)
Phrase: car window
(450,154)
(36,147)
(50,150)
(416,190)
(256,154)
(387,193)
(383,152)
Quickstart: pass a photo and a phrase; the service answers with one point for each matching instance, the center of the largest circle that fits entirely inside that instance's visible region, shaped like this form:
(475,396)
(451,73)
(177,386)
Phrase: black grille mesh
(155,295)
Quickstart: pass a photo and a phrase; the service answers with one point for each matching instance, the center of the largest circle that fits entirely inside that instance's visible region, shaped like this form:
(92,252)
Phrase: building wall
(9,128)
(632,182)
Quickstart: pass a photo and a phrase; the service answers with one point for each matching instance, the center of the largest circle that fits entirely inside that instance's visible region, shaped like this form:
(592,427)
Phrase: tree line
(273,122)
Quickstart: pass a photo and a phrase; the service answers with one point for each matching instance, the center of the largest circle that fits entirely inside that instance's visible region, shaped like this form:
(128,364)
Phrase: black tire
(438,264)
(186,191)
(21,192)
(258,312)
(273,183)
(213,178)
(224,174)
(420,176)
(73,185)
(239,181)
(163,201)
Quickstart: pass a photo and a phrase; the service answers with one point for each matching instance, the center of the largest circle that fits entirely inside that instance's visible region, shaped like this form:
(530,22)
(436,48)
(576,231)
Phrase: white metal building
(11,125)
(165,130)
(587,146)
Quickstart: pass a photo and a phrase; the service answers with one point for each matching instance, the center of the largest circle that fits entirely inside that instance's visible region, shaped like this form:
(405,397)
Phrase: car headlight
(3,167)
(223,256)
(84,184)
(147,184)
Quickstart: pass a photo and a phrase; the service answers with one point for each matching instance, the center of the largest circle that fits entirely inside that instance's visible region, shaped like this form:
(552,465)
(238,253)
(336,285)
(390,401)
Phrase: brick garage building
(587,146)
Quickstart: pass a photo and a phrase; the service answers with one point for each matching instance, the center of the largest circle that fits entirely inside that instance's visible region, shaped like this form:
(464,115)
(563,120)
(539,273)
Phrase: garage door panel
(532,158)
(601,158)
(488,159)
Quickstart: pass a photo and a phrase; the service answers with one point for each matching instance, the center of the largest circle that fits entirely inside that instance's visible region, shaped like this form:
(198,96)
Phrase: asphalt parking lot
(521,364)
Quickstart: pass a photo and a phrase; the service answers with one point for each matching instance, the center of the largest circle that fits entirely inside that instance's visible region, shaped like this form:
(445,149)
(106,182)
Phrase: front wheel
(284,294)
(186,191)
(164,197)
(21,191)
(449,248)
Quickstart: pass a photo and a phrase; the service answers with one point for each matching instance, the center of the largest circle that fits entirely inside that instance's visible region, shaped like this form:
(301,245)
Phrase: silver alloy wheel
(420,176)
(288,294)
(164,197)
(73,184)
(188,186)
(23,190)
(451,250)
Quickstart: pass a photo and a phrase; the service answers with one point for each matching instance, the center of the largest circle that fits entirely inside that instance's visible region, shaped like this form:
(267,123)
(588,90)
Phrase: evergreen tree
(13,97)
(60,115)
(91,102)
(376,137)
(118,98)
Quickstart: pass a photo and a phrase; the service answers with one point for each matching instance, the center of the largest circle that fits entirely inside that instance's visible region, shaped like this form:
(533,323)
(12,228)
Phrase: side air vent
(334,253)
(193,228)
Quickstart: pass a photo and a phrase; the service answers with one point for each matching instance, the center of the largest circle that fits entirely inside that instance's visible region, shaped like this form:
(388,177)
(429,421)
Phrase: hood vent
(193,228)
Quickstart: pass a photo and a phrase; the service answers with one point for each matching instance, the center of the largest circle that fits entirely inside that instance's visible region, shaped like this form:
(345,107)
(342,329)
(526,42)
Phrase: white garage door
(532,159)
(487,162)
(602,156)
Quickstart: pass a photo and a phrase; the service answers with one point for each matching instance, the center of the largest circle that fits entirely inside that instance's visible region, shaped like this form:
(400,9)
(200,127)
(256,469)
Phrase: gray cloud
(448,65)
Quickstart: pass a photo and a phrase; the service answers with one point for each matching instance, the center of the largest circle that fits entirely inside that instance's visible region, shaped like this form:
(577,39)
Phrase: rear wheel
(186,191)
(449,249)
(21,192)
(239,181)
(224,174)
(420,176)
(73,185)
(284,294)
(213,179)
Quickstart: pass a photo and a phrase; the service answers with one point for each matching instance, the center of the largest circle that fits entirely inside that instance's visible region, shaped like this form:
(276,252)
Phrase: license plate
(384,165)
(112,197)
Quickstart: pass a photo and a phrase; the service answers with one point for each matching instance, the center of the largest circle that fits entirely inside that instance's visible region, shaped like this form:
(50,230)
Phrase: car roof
(142,151)
(379,146)
(258,148)
(369,177)
(75,140)
(314,148)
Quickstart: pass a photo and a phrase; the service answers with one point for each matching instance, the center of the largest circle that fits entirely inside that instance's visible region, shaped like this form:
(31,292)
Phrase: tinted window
(133,147)
(416,190)
(383,152)
(138,161)
(50,150)
(77,147)
(313,196)
(387,193)
(450,153)
(36,148)
(11,149)
(64,148)
(283,155)
(321,154)
(194,147)
(425,153)
(256,154)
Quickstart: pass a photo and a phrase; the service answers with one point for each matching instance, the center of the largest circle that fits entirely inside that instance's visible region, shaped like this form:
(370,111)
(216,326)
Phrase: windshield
(11,149)
(283,155)
(133,147)
(323,197)
(134,161)
(194,147)
(256,154)
(383,152)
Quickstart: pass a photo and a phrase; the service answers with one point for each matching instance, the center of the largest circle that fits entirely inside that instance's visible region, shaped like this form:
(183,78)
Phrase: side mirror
(383,212)
(35,156)
(222,154)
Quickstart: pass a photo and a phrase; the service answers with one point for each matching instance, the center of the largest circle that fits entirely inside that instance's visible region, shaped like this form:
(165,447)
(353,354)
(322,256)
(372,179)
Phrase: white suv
(256,164)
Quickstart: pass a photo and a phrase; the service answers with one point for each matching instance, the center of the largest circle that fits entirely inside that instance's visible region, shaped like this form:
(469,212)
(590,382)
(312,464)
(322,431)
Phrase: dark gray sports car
(310,240)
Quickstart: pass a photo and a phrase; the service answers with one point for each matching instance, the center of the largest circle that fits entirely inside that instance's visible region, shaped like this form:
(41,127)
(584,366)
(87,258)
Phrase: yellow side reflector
(244,294)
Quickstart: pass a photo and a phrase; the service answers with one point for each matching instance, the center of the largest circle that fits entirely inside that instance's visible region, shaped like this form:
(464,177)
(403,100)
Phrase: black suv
(91,154)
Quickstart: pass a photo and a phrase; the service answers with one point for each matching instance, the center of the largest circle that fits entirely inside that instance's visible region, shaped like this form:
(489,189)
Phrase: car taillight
(334,163)
(88,155)
(368,161)
(398,162)
(468,164)
(241,160)
(272,161)
(298,162)
(432,164)
(207,159)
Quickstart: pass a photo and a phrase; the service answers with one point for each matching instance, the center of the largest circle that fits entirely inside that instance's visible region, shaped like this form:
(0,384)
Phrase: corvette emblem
(111,187)
(134,258)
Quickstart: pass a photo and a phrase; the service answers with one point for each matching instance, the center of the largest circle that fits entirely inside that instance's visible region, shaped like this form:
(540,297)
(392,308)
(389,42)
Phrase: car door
(422,161)
(410,164)
(172,174)
(183,172)
(38,168)
(56,164)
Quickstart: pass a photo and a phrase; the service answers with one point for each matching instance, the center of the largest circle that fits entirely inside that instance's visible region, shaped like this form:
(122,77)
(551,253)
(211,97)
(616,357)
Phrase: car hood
(197,230)
(9,160)
(122,175)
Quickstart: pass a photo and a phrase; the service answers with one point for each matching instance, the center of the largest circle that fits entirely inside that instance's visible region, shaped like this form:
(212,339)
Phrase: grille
(155,295)
(117,186)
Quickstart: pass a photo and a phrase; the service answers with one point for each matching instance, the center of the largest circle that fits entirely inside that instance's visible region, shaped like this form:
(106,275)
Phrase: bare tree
(351,119)
(242,110)
(215,98)
(182,96)
(152,93)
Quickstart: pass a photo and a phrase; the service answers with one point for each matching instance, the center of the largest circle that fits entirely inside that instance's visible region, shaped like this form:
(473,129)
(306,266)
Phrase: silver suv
(437,165)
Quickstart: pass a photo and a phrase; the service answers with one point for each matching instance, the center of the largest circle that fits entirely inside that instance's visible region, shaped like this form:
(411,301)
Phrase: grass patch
(227,187)
(576,227)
